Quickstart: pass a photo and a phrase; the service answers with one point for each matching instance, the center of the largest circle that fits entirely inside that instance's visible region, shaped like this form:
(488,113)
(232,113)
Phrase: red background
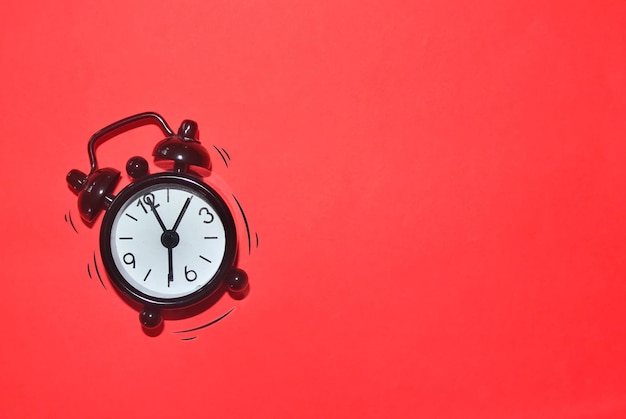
(438,190)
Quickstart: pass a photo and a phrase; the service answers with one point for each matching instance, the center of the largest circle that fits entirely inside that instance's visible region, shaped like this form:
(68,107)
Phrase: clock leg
(150,318)
(238,281)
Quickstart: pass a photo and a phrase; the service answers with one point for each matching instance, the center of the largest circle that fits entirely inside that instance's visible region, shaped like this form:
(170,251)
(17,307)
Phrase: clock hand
(170,273)
(182,212)
(150,203)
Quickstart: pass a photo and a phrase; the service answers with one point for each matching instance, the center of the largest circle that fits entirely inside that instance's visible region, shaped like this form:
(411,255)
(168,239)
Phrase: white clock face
(167,241)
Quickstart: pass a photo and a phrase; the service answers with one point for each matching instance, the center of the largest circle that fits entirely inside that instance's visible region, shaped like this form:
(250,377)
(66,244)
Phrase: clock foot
(150,318)
(237,281)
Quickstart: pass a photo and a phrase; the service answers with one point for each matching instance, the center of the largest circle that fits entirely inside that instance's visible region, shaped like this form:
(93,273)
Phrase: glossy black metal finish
(94,189)
(183,149)
(124,125)
(76,180)
(238,281)
(188,130)
(93,197)
(150,318)
(137,167)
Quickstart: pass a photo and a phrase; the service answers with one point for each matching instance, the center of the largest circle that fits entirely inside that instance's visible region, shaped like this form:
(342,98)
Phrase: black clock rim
(220,206)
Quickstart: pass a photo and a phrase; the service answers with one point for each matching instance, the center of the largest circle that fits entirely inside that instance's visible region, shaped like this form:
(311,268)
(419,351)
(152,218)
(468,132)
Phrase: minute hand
(182,212)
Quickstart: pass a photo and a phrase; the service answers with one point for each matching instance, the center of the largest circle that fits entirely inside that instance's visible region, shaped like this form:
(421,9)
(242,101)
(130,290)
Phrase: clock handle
(95,188)
(120,126)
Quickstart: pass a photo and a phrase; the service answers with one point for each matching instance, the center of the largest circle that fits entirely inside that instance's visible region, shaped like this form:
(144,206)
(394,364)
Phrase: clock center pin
(170,239)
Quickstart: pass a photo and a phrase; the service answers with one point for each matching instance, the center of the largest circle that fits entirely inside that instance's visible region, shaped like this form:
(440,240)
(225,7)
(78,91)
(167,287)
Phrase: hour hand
(150,203)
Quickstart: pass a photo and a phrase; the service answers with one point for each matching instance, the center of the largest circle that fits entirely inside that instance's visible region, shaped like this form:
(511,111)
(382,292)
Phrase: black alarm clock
(167,240)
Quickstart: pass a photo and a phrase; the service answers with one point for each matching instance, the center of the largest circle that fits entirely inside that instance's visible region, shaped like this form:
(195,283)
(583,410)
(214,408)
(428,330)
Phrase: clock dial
(168,240)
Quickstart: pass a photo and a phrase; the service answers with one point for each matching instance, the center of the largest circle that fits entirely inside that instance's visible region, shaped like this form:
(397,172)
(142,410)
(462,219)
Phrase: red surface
(438,189)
